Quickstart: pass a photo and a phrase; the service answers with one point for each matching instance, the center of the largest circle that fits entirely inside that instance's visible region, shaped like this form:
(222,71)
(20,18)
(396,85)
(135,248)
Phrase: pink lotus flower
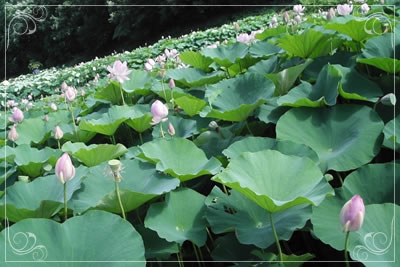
(171,129)
(352,214)
(17,115)
(244,38)
(331,14)
(64,87)
(70,93)
(364,8)
(345,9)
(159,112)
(58,133)
(286,17)
(237,27)
(13,135)
(298,9)
(119,71)
(65,171)
(171,83)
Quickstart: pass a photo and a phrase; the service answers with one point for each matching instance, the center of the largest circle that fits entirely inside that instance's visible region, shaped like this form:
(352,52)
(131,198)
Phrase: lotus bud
(13,135)
(171,129)
(58,133)
(23,178)
(286,17)
(352,214)
(389,100)
(159,112)
(116,167)
(344,10)
(171,83)
(46,117)
(82,92)
(64,87)
(30,97)
(364,8)
(65,171)
(5,83)
(297,19)
(331,14)
(17,115)
(147,66)
(213,125)
(70,94)
(30,105)
(53,106)
(237,27)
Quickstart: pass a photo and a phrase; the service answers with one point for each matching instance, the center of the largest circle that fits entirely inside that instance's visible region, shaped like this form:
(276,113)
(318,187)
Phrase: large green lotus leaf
(108,122)
(356,86)
(183,127)
(271,32)
(6,171)
(356,29)
(285,79)
(227,248)
(375,183)
(235,99)
(140,119)
(213,143)
(266,178)
(41,198)
(251,222)
(31,160)
(140,183)
(380,52)
(155,246)
(196,60)
(309,44)
(112,93)
(70,135)
(266,66)
(255,144)
(179,218)
(270,112)
(140,82)
(263,49)
(337,134)
(192,77)
(82,240)
(180,158)
(323,92)
(190,104)
(94,154)
(32,130)
(226,55)
(391,128)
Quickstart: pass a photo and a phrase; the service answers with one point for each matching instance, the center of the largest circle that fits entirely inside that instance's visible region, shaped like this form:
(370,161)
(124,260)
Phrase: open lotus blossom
(345,9)
(364,8)
(17,115)
(70,93)
(119,71)
(159,112)
(244,38)
(149,65)
(53,106)
(352,214)
(58,133)
(13,135)
(298,9)
(65,171)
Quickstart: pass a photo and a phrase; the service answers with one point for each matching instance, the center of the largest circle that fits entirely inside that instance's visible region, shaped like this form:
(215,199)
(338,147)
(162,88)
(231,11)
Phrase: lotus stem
(73,121)
(122,96)
(141,138)
(65,202)
(276,238)
(58,142)
(119,200)
(179,256)
(197,254)
(346,246)
(161,130)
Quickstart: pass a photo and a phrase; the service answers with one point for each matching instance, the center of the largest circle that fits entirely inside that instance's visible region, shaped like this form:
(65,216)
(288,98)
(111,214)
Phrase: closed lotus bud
(171,129)
(213,125)
(53,106)
(159,112)
(389,100)
(147,66)
(65,171)
(5,83)
(297,19)
(46,117)
(70,94)
(331,14)
(13,135)
(58,133)
(171,83)
(352,214)
(82,92)
(286,17)
(17,115)
(237,27)
(64,87)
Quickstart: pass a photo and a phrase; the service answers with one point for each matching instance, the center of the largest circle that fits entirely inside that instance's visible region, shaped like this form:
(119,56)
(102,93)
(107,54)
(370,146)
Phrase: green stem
(73,121)
(122,96)
(346,246)
(197,255)
(138,215)
(248,128)
(209,234)
(58,142)
(162,86)
(276,238)
(141,138)
(119,200)
(180,257)
(340,178)
(113,139)
(225,190)
(65,202)
(161,129)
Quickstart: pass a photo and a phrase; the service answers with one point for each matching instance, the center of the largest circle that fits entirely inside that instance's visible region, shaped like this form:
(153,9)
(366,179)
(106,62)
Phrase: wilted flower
(70,93)
(286,17)
(119,71)
(58,133)
(159,112)
(352,214)
(364,8)
(171,129)
(171,83)
(17,115)
(237,27)
(53,106)
(345,9)
(298,9)
(13,135)
(65,171)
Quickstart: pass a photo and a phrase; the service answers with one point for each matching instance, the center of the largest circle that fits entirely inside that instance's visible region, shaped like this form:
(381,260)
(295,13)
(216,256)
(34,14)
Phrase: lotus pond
(278,148)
